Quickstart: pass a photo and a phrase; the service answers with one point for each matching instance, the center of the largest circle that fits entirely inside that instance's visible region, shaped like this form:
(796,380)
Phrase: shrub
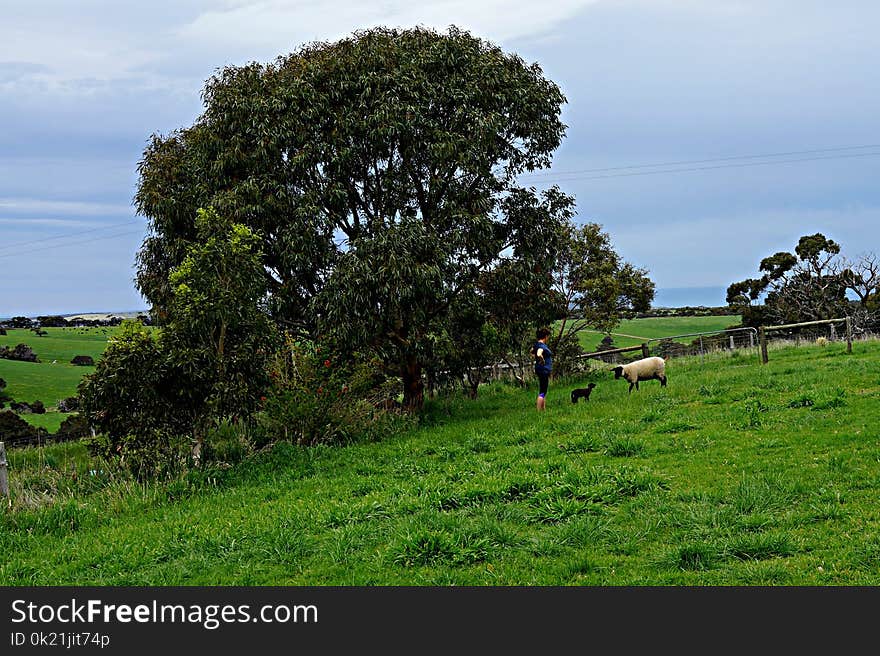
(131,401)
(4,396)
(15,430)
(72,428)
(70,404)
(317,399)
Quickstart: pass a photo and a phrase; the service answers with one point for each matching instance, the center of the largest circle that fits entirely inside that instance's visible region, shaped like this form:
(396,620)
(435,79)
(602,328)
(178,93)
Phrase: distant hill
(106,315)
(91,314)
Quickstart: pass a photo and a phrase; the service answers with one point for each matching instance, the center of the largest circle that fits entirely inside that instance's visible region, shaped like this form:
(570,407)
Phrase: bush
(4,396)
(74,427)
(130,399)
(70,404)
(565,356)
(316,399)
(15,430)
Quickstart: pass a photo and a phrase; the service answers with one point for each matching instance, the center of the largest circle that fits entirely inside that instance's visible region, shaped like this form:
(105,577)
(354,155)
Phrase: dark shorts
(543,382)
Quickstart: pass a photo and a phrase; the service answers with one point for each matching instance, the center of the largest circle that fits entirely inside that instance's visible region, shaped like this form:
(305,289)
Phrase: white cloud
(158,44)
(281,25)
(65,207)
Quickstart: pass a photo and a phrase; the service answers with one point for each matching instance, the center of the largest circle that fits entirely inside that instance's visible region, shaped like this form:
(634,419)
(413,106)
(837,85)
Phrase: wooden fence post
(4,480)
(849,335)
(645,351)
(762,338)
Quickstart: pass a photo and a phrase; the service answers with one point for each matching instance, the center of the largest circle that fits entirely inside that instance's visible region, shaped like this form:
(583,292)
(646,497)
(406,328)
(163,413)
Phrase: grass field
(632,332)
(52,378)
(737,473)
(61,344)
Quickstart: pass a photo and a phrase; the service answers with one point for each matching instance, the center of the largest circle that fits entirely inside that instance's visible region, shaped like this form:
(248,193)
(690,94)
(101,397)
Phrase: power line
(9,246)
(71,243)
(708,168)
(702,161)
(568,175)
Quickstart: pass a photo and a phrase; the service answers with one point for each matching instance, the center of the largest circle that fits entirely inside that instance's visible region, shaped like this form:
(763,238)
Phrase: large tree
(380,172)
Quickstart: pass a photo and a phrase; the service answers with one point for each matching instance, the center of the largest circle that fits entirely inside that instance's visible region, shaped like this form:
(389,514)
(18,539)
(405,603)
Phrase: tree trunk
(472,379)
(413,385)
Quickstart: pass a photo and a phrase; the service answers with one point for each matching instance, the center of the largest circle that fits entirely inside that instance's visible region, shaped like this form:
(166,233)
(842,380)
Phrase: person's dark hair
(541,333)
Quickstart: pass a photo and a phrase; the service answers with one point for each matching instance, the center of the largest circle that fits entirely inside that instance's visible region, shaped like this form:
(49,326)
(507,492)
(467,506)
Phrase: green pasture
(49,383)
(737,473)
(61,344)
(53,378)
(632,332)
(50,420)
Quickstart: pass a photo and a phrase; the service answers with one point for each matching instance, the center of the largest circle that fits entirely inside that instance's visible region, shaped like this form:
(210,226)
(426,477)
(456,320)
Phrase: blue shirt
(547,367)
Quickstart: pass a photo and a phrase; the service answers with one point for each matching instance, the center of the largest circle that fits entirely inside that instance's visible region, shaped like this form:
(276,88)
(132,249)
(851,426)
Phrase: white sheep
(653,368)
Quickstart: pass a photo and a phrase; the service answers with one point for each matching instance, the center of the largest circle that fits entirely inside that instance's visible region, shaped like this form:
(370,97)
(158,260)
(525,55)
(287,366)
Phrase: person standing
(543,365)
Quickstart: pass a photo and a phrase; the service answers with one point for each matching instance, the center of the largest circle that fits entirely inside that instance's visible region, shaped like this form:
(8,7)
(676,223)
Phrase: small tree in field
(808,285)
(598,288)
(131,401)
(209,362)
(218,332)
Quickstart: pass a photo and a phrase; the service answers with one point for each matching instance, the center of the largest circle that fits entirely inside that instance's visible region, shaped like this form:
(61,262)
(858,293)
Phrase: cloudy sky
(703,135)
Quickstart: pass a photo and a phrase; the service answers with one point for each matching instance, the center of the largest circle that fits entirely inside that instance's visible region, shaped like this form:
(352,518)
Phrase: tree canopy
(379,171)
(598,287)
(807,285)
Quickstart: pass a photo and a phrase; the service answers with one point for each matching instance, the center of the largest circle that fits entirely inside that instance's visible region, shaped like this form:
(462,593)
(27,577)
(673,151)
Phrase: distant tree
(862,277)
(52,321)
(599,289)
(808,285)
(379,172)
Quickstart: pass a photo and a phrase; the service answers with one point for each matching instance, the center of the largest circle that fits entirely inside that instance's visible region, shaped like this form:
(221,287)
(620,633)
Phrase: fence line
(750,331)
(641,347)
(4,479)
(762,332)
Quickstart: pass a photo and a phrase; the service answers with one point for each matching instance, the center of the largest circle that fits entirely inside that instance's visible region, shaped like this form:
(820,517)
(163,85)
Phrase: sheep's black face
(618,372)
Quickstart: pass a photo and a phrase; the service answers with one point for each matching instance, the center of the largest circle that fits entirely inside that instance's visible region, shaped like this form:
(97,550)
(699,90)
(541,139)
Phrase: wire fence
(745,340)
(686,344)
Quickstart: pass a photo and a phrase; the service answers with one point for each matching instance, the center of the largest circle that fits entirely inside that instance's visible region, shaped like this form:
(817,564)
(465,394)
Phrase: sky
(703,135)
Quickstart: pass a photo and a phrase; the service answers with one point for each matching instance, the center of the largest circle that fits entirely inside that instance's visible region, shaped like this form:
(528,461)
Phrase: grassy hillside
(52,378)
(61,344)
(737,473)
